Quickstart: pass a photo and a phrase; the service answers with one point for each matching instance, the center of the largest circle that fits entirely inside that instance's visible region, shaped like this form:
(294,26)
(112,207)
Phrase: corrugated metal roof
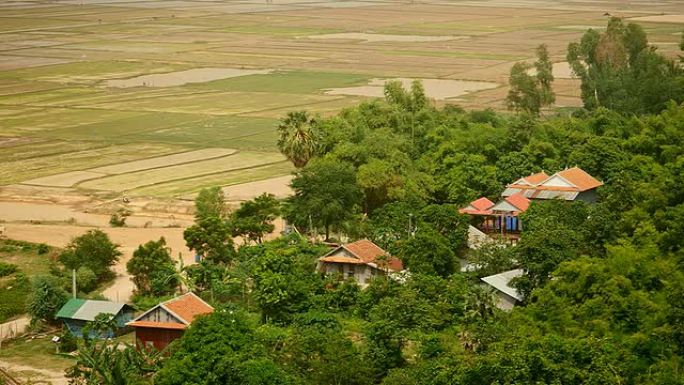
(70,308)
(89,309)
(500,282)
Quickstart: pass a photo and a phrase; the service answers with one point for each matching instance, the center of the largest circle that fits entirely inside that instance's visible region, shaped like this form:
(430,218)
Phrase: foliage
(45,299)
(221,348)
(298,137)
(530,93)
(111,363)
(150,268)
(620,71)
(254,218)
(7,269)
(93,250)
(210,203)
(14,295)
(118,219)
(325,195)
(211,238)
(86,280)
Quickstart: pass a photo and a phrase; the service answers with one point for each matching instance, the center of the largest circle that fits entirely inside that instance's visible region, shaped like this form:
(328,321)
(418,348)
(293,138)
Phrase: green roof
(70,308)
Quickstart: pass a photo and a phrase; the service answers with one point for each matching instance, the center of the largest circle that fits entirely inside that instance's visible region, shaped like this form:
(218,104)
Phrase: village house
(570,184)
(166,322)
(361,260)
(76,313)
(498,219)
(506,295)
(502,218)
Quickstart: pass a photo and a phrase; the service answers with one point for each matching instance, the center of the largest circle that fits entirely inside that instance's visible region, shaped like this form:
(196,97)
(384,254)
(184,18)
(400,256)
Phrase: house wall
(146,338)
(75,326)
(589,196)
(160,315)
(361,273)
(505,301)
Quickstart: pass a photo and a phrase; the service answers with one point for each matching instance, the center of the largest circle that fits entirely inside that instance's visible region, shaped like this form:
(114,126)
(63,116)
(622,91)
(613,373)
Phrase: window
(351,271)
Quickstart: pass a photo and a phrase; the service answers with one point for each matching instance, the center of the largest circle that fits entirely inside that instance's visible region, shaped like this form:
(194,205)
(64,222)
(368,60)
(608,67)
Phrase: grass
(25,169)
(37,353)
(288,82)
(184,188)
(130,181)
(26,257)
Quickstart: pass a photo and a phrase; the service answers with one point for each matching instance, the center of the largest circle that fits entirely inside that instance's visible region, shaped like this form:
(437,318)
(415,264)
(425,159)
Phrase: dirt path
(50,376)
(128,238)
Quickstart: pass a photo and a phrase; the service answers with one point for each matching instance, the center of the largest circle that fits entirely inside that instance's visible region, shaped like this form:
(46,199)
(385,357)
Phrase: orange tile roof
(366,252)
(536,178)
(338,259)
(518,200)
(479,206)
(188,306)
(580,178)
(482,204)
(157,325)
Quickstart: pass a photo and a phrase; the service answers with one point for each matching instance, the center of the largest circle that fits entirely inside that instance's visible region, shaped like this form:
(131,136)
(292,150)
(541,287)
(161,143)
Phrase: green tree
(93,250)
(222,349)
(325,195)
(45,299)
(254,218)
(210,203)
(298,138)
(620,71)
(149,267)
(530,93)
(428,252)
(212,239)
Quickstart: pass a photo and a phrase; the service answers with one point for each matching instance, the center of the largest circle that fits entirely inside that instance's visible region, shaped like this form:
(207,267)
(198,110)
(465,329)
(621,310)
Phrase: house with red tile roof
(499,218)
(361,260)
(167,321)
(570,184)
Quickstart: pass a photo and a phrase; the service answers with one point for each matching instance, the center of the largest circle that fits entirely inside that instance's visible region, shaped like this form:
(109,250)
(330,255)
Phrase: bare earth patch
(379,37)
(440,89)
(661,19)
(280,187)
(178,78)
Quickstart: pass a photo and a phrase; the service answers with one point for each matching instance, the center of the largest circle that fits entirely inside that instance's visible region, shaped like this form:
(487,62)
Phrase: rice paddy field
(160,98)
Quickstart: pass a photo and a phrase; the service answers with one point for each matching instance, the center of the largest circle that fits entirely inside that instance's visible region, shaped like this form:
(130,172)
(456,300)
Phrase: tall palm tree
(298,138)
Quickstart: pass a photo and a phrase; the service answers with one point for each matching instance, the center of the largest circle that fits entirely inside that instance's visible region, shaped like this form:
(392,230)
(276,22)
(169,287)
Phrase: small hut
(76,313)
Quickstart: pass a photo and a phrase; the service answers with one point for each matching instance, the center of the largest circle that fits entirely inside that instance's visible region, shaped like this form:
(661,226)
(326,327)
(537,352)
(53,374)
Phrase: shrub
(67,342)
(45,299)
(7,269)
(43,249)
(118,219)
(86,279)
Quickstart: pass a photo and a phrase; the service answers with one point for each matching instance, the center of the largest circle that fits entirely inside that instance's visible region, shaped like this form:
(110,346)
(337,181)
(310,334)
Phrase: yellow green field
(73,115)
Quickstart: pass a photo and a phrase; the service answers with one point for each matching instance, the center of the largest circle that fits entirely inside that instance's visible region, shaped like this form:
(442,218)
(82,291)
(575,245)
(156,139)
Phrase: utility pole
(73,283)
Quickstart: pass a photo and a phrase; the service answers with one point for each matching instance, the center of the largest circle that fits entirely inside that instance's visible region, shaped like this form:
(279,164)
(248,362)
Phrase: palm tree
(298,137)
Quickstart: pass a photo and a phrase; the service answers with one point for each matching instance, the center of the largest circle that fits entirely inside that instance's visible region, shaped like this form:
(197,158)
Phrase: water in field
(440,89)
(379,37)
(178,78)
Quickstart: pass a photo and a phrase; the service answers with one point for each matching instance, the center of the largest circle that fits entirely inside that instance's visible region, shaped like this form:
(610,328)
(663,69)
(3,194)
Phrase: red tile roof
(366,252)
(518,200)
(188,306)
(157,325)
(580,178)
